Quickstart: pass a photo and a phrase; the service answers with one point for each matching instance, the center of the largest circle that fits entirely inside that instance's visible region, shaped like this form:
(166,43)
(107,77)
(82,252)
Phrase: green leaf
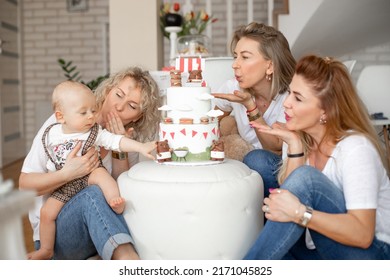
(72,69)
(68,70)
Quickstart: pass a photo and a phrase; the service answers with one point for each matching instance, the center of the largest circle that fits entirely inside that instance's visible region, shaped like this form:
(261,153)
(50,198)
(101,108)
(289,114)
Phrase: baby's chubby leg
(47,229)
(110,188)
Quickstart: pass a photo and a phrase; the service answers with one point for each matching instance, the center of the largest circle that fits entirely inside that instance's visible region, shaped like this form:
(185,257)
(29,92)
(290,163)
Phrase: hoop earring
(268,77)
(322,120)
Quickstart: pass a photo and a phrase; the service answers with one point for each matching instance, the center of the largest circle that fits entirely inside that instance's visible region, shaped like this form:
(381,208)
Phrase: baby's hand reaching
(147,149)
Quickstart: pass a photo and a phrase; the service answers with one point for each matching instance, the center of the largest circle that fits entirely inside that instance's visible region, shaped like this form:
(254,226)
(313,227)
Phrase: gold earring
(322,120)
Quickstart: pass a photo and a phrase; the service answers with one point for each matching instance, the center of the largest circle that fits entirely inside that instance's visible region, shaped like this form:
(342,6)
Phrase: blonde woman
(263,67)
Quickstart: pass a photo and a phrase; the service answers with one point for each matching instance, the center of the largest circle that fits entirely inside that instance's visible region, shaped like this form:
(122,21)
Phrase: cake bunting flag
(186,64)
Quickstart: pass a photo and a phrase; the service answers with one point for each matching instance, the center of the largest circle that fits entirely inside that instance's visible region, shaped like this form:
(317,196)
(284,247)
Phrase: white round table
(192,212)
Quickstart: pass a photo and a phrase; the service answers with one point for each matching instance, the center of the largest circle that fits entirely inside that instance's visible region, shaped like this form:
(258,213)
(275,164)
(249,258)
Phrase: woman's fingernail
(271,189)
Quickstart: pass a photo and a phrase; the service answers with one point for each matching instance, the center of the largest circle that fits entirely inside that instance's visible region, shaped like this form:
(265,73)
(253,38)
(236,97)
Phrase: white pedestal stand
(201,212)
(173,30)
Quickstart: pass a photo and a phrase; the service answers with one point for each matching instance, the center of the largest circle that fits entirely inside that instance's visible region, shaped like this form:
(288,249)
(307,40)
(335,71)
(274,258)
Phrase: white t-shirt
(60,144)
(35,162)
(356,168)
(274,113)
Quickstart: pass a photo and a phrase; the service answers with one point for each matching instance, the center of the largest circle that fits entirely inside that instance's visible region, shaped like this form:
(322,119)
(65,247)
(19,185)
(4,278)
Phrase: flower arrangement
(192,23)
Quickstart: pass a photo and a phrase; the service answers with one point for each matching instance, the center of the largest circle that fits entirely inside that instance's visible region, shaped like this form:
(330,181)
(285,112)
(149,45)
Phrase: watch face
(306,216)
(305,219)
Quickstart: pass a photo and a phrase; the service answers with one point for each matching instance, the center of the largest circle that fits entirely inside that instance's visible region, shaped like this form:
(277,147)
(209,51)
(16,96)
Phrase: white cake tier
(188,102)
(196,138)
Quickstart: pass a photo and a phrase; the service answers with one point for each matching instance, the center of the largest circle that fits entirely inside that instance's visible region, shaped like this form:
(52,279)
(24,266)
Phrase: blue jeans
(266,164)
(285,240)
(87,226)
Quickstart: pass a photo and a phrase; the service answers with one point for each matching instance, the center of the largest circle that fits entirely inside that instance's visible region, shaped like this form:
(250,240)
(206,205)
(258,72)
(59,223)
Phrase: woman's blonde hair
(273,46)
(345,112)
(146,127)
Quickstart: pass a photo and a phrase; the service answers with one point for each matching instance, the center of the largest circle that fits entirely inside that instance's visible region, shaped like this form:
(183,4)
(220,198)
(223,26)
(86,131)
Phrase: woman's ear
(59,117)
(270,68)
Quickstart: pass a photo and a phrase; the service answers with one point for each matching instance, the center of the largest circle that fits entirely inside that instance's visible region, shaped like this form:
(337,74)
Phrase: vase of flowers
(173,18)
(193,23)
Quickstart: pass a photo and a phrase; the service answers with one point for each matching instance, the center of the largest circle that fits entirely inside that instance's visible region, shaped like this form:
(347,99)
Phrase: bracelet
(118,155)
(295,155)
(249,111)
(254,117)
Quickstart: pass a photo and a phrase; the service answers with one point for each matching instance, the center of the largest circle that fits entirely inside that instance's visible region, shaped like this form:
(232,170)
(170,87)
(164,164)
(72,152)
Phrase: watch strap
(119,155)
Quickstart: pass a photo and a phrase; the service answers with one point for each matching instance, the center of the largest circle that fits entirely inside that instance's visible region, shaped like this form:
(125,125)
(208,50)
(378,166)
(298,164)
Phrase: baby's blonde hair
(63,90)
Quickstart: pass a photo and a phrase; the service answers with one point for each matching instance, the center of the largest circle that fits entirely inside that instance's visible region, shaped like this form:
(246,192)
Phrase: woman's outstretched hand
(241,97)
(279,130)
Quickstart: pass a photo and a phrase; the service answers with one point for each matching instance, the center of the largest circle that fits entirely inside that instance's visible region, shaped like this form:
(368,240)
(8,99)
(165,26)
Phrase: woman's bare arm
(75,167)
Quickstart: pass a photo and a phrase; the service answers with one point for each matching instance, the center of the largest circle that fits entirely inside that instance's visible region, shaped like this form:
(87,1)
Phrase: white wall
(50,32)
(292,26)
(135,37)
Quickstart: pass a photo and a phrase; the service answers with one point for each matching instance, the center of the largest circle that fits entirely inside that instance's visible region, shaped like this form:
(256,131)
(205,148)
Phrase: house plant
(71,73)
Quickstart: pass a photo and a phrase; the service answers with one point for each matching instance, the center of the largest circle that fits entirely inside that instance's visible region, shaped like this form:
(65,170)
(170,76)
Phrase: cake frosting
(190,125)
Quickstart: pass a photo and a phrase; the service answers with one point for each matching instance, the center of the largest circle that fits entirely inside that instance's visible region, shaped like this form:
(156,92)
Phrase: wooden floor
(12,171)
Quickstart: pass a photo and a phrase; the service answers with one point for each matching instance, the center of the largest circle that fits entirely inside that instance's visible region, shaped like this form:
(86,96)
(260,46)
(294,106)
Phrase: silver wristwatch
(306,216)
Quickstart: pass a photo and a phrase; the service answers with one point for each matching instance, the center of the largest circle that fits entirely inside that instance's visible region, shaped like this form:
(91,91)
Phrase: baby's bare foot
(41,254)
(118,205)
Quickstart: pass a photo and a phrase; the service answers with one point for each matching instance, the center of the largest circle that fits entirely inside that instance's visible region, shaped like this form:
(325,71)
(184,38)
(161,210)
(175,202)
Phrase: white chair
(350,64)
(373,86)
(217,70)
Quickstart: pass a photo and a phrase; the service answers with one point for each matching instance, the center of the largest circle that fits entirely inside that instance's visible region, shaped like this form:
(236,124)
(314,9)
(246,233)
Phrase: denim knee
(95,193)
(266,164)
(263,161)
(252,159)
(314,188)
(94,190)
(299,182)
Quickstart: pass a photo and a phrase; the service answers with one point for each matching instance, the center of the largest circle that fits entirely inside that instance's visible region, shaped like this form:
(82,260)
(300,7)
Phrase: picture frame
(77,5)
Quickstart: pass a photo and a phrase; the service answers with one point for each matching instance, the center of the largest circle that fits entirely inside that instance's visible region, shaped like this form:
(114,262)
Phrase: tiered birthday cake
(189,131)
